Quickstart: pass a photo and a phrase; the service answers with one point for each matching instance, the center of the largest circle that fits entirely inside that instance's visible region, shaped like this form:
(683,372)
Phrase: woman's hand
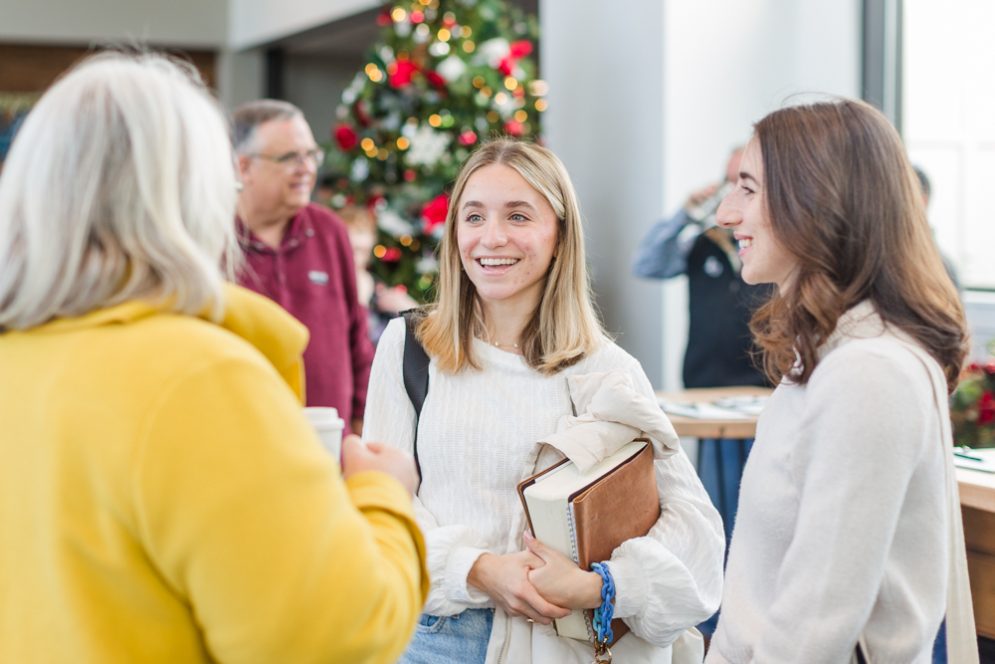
(560,580)
(506,579)
(357,457)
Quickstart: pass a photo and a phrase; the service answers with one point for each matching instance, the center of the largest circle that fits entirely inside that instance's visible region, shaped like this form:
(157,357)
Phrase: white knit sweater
(842,522)
(476,432)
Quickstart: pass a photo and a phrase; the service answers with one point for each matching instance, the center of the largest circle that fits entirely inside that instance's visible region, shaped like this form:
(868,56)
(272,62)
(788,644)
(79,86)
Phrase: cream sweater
(475,436)
(842,523)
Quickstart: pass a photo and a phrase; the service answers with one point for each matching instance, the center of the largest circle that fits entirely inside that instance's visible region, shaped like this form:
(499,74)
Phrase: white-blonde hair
(119,186)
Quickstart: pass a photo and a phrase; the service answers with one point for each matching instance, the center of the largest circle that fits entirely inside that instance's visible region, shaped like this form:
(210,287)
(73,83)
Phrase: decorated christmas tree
(444,76)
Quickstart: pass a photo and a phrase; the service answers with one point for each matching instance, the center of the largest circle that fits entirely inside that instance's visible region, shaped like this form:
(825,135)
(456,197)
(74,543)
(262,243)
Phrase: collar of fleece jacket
(256,319)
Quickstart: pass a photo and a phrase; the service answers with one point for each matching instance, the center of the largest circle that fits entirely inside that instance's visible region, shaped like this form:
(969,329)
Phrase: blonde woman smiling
(513,321)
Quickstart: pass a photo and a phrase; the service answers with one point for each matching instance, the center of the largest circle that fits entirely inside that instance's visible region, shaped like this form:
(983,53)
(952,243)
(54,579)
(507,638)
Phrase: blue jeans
(459,639)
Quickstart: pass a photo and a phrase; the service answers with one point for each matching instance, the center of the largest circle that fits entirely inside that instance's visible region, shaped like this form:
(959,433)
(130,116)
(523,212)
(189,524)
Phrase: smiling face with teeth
(507,234)
(744,211)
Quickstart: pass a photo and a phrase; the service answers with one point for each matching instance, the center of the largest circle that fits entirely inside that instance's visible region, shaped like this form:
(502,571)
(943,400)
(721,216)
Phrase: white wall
(315,84)
(240,75)
(645,102)
(604,120)
(254,22)
(182,23)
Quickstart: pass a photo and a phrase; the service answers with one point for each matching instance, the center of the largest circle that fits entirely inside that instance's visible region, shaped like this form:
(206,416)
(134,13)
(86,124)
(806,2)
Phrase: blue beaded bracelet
(602,622)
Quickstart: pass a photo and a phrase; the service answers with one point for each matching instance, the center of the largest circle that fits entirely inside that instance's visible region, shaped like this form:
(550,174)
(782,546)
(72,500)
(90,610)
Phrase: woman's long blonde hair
(564,327)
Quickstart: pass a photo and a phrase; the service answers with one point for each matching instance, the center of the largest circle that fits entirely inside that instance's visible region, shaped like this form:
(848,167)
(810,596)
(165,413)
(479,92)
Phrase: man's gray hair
(250,115)
(119,186)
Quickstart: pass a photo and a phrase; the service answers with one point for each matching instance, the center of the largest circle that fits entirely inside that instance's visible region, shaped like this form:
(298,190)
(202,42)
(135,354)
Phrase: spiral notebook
(587,515)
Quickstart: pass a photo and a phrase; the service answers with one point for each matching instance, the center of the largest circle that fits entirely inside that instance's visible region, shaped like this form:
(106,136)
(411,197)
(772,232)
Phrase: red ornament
(346,137)
(417,16)
(383,18)
(520,49)
(434,213)
(410,175)
(514,128)
(516,52)
(507,65)
(391,255)
(359,108)
(400,72)
(435,79)
(468,137)
(986,408)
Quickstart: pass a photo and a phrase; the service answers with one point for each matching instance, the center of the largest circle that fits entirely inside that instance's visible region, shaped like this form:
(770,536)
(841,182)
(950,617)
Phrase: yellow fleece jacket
(163,499)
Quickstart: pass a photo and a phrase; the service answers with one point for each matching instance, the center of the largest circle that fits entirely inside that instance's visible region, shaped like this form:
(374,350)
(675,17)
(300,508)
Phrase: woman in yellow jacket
(162,497)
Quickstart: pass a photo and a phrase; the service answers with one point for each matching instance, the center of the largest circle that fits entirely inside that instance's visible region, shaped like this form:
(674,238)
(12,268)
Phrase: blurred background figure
(162,496)
(719,349)
(298,253)
(927,192)
(361,225)
(382,302)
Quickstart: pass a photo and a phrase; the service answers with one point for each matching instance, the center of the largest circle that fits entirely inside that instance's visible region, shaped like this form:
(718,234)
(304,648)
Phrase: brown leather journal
(615,502)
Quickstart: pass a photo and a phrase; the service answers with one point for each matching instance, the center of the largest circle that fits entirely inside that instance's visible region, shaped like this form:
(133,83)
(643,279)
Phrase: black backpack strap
(415,371)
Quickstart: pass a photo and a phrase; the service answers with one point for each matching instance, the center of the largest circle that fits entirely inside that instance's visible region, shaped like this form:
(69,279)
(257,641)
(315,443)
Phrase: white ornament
(505,104)
(493,51)
(427,264)
(452,68)
(427,145)
(360,170)
(392,223)
(438,49)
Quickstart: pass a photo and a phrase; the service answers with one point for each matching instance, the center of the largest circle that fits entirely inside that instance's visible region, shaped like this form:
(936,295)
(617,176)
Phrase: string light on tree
(443,76)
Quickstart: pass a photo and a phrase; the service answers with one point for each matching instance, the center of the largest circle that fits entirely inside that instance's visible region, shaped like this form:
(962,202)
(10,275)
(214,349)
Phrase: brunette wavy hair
(843,199)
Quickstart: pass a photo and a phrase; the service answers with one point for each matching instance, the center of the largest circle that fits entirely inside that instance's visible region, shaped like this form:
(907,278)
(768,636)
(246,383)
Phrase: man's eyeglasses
(291,159)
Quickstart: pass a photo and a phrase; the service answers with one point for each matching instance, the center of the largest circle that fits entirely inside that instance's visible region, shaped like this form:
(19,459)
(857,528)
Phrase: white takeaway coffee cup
(328,425)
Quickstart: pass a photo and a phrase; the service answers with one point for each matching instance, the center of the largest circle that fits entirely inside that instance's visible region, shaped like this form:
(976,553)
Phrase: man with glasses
(298,253)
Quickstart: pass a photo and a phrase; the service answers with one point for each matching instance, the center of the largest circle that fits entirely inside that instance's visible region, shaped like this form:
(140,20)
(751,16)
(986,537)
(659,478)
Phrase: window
(948,122)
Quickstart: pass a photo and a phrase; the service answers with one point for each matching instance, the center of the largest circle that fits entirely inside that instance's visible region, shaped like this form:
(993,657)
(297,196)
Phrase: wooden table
(707,428)
(977,500)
